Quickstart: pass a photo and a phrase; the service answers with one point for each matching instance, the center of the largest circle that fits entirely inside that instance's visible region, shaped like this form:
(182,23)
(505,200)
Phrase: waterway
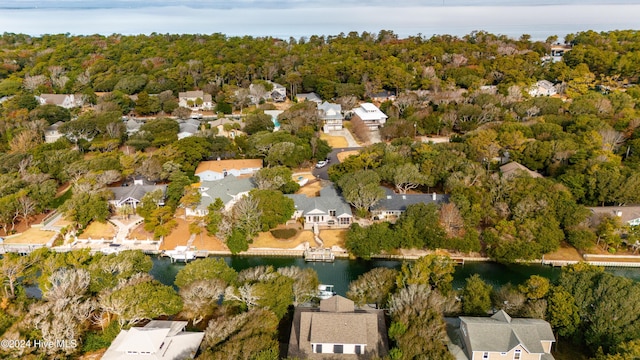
(341,272)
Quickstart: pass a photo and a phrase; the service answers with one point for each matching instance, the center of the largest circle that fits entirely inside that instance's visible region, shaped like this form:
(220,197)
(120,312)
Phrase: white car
(321,164)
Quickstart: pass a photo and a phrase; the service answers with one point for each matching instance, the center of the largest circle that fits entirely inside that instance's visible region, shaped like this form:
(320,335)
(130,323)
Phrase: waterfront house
(159,339)
(500,337)
(229,189)
(513,169)
(313,97)
(393,205)
(132,194)
(195,100)
(331,116)
(543,88)
(218,169)
(373,117)
(329,210)
(67,101)
(51,133)
(338,330)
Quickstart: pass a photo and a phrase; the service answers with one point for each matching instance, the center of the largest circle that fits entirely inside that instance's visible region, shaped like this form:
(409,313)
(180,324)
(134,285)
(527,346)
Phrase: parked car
(321,164)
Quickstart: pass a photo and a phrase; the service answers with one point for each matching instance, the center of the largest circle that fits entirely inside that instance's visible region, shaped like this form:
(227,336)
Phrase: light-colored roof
(220,166)
(337,304)
(501,333)
(513,168)
(309,97)
(157,340)
(192,94)
(225,189)
(122,193)
(626,213)
(330,111)
(328,200)
(369,112)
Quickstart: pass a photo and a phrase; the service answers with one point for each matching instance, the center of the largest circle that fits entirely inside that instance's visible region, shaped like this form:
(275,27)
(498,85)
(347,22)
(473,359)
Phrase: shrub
(284,233)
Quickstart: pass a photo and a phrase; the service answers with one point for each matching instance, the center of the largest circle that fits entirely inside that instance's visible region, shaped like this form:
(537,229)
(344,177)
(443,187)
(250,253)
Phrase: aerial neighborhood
(404,159)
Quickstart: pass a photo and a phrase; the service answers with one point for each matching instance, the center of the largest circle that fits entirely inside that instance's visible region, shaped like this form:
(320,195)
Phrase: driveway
(333,159)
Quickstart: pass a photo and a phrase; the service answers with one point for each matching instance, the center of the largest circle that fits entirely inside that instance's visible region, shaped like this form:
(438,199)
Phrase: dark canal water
(341,272)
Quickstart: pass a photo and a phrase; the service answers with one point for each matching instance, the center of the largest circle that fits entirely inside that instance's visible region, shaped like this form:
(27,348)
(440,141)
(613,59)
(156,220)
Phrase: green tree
(146,300)
(373,287)
(274,206)
(434,271)
(361,189)
(205,269)
(476,296)
(84,207)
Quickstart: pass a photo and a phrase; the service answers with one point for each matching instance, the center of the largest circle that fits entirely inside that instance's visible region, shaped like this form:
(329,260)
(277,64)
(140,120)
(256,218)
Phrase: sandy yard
(98,230)
(311,190)
(31,236)
(565,252)
(333,237)
(267,240)
(180,236)
(335,141)
(345,154)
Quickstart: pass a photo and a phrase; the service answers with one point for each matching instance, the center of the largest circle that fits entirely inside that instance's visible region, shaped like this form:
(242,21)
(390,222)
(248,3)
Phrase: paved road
(333,157)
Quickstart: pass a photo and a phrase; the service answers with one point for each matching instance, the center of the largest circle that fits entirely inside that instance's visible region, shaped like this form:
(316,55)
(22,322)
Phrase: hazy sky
(285,18)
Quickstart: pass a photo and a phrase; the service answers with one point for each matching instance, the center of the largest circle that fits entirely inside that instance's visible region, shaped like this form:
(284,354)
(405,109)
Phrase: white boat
(325,291)
(181,253)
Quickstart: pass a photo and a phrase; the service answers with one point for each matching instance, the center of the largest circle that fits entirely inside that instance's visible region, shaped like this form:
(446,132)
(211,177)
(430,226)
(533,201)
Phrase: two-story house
(195,100)
(500,337)
(337,330)
(543,88)
(327,210)
(373,117)
(66,101)
(230,189)
(331,116)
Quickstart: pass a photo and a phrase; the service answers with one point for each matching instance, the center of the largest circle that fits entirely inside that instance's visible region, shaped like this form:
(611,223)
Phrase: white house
(218,169)
(500,337)
(158,339)
(132,195)
(230,189)
(279,92)
(195,100)
(327,210)
(331,116)
(51,133)
(543,88)
(373,117)
(66,101)
(338,330)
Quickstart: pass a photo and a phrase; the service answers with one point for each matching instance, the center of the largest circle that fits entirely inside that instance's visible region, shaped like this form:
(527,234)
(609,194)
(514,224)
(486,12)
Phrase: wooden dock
(319,254)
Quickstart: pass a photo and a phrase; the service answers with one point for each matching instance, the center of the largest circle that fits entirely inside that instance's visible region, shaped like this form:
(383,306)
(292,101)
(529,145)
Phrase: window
(517,354)
(337,349)
(318,348)
(485,355)
(332,213)
(358,350)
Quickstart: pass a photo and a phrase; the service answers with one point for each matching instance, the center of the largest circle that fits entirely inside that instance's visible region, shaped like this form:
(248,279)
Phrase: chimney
(619,213)
(433,196)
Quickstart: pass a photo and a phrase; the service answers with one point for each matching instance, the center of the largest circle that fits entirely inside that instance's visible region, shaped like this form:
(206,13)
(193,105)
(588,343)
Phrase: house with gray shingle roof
(229,189)
(393,204)
(51,133)
(188,128)
(132,195)
(195,100)
(66,101)
(500,337)
(331,115)
(313,97)
(338,330)
(327,210)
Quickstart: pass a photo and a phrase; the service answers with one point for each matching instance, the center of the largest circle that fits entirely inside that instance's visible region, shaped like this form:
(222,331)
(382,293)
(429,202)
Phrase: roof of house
(54,126)
(501,333)
(368,111)
(546,84)
(137,192)
(309,97)
(384,94)
(225,189)
(191,94)
(226,165)
(330,111)
(186,127)
(399,202)
(157,340)
(337,322)
(626,213)
(513,168)
(328,200)
(133,125)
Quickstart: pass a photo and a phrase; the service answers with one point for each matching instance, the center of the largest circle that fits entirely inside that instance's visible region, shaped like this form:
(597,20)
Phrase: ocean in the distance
(296,18)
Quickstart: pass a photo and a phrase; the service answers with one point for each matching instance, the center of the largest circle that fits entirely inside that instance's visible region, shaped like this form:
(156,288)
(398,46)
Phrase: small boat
(181,253)
(325,291)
